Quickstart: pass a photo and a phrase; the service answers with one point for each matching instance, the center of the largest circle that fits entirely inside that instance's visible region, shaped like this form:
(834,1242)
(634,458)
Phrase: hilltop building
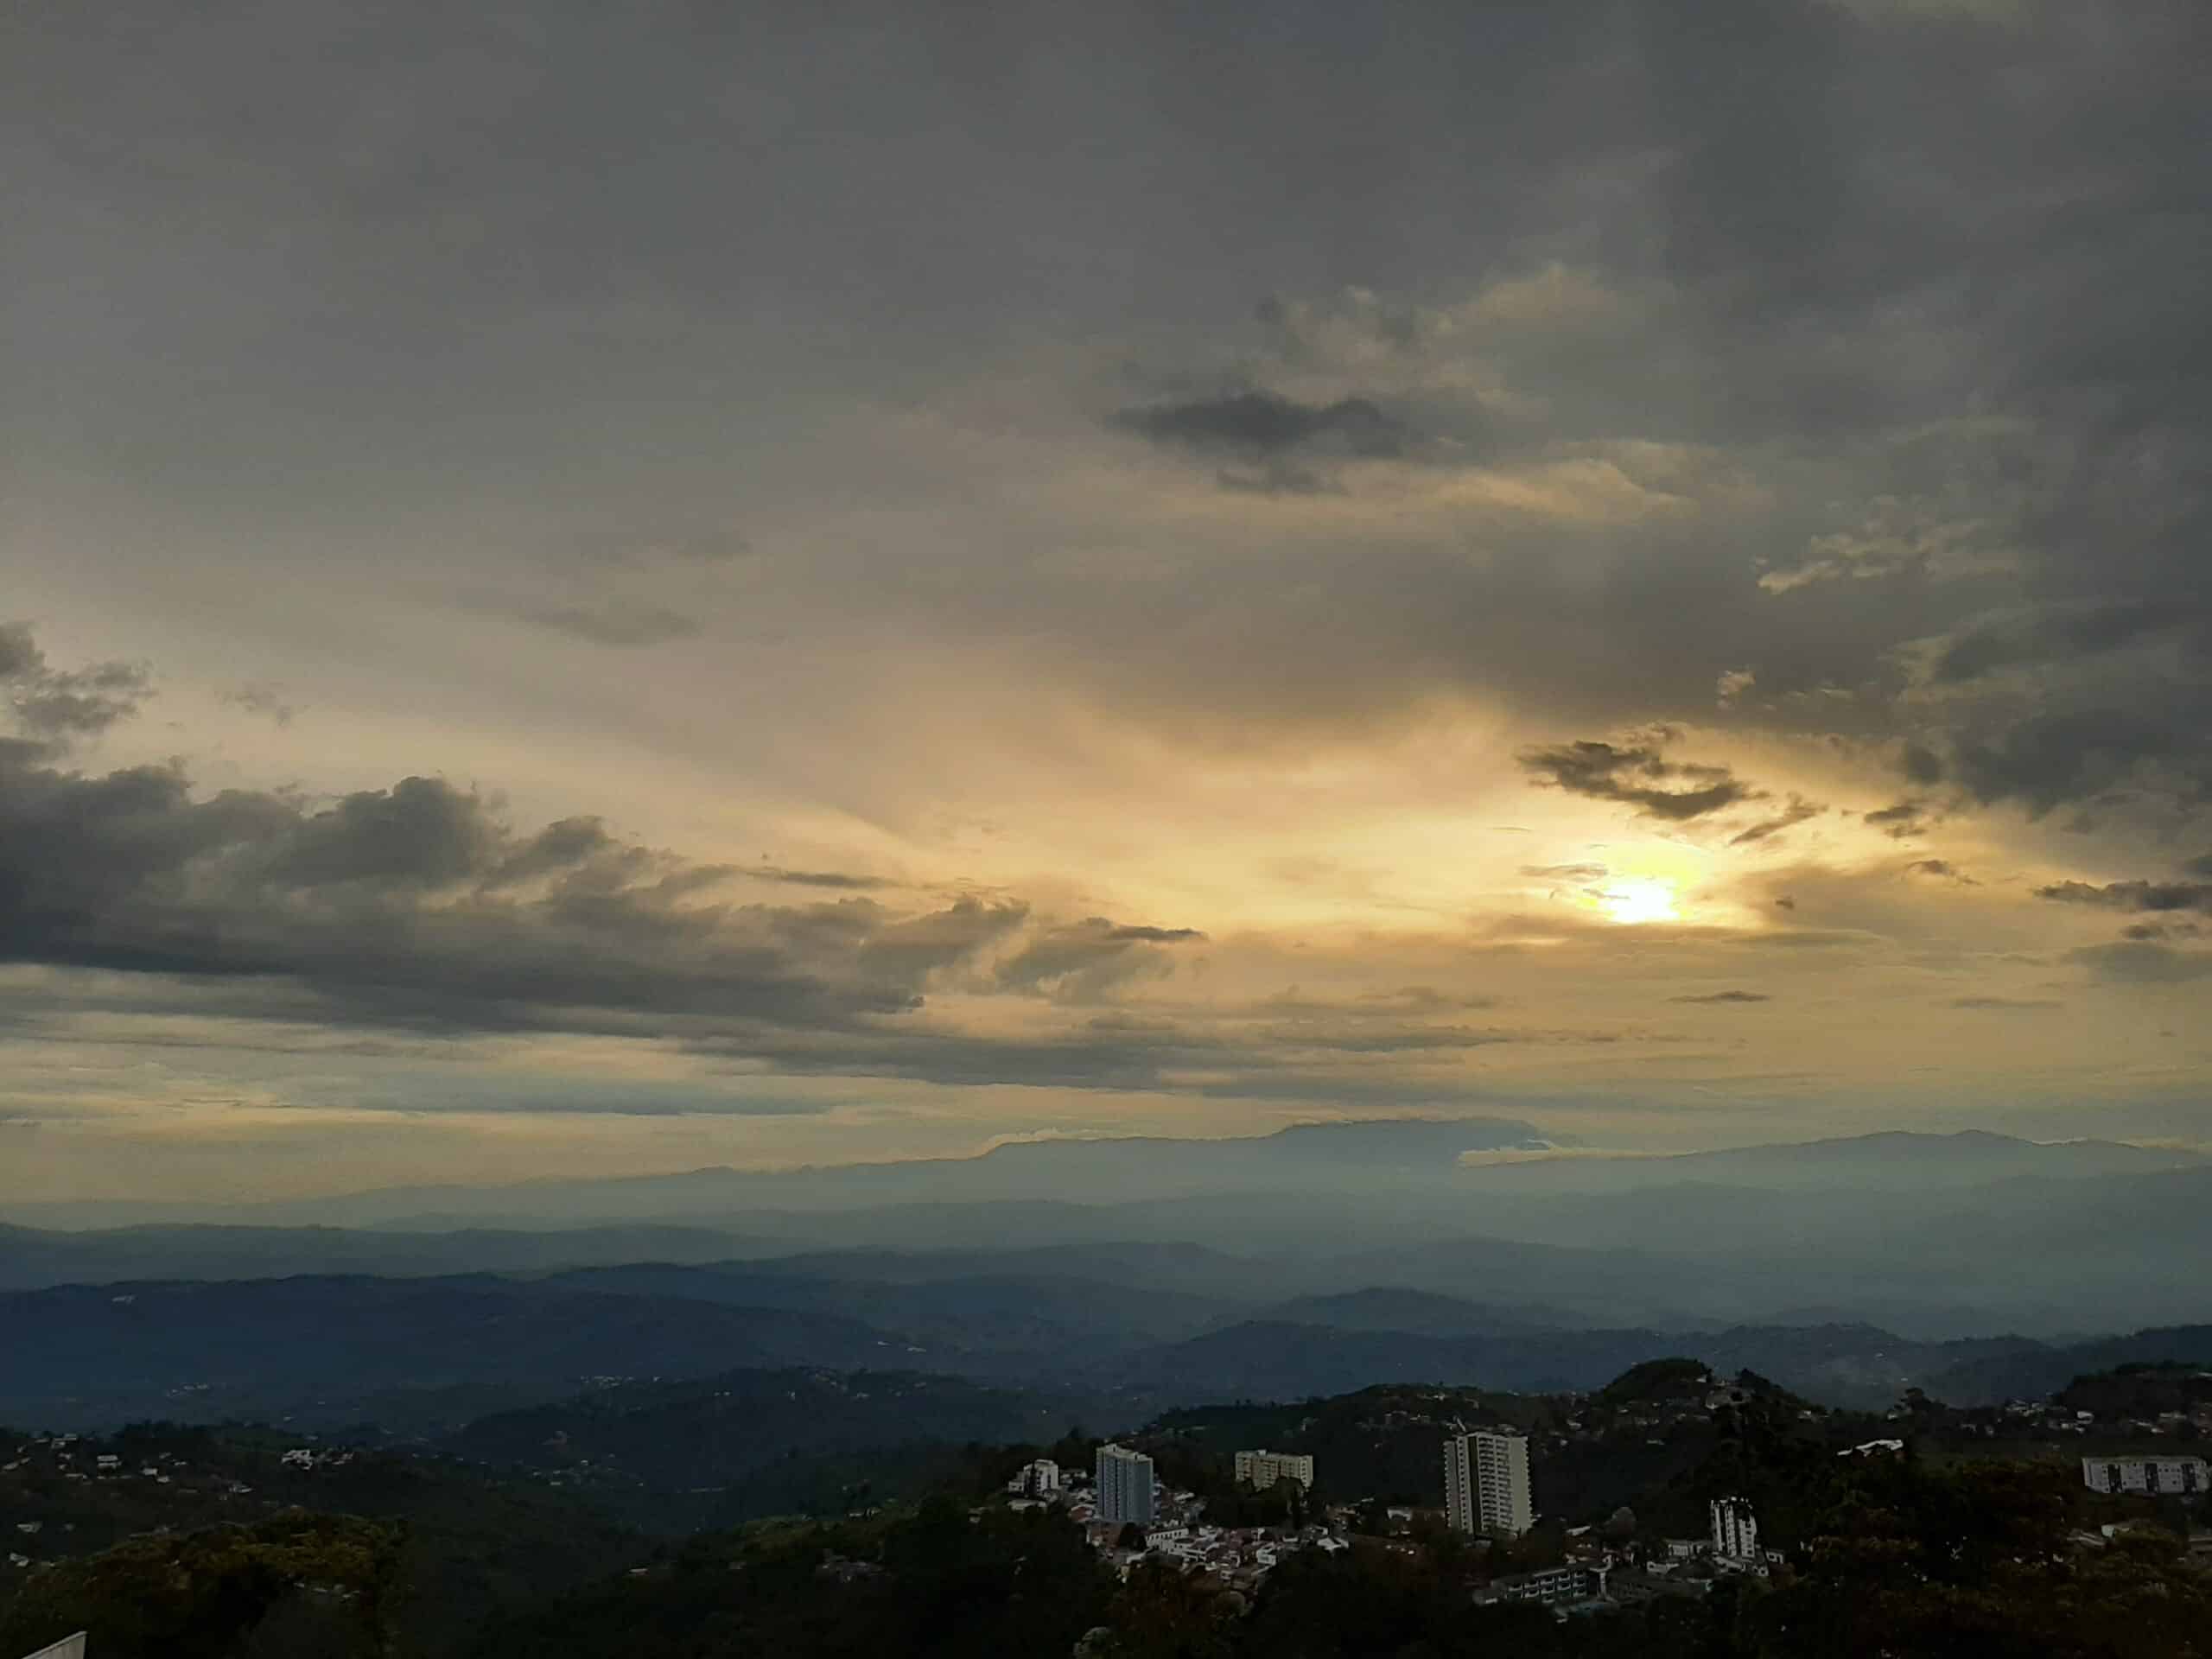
(1125,1487)
(1486,1483)
(1735,1529)
(1038,1479)
(1551,1587)
(2148,1476)
(1264,1469)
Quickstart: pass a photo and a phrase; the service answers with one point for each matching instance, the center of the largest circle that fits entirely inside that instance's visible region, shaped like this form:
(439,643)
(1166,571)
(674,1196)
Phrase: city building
(2147,1477)
(1735,1530)
(1125,1487)
(1264,1469)
(1460,1483)
(1550,1587)
(1038,1479)
(1486,1483)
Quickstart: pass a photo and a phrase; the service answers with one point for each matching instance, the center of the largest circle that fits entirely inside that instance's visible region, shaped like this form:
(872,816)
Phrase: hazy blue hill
(1380,1154)
(1036,1320)
(1419,1312)
(1191,1269)
(93,1355)
(1892,1160)
(1275,1360)
(31,1259)
(1841,1365)
(1983,1378)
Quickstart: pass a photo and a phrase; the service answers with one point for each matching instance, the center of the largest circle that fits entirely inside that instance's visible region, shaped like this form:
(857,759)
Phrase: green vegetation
(2143,1391)
(420,1557)
(206,1594)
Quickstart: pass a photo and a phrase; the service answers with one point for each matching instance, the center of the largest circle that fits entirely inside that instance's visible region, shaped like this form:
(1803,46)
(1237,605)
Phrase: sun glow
(1640,899)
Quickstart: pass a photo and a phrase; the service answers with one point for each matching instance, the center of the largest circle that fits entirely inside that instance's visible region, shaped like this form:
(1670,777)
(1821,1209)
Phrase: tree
(198,1595)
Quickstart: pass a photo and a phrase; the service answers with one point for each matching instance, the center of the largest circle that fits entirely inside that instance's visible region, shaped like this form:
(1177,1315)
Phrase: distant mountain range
(1355,1156)
(416,1354)
(1312,1259)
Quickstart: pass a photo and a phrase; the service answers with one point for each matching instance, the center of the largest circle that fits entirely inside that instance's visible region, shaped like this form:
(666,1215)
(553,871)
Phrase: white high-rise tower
(1735,1529)
(1125,1485)
(1486,1483)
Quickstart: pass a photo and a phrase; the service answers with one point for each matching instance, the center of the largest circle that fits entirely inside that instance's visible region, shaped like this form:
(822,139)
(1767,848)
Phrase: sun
(1640,899)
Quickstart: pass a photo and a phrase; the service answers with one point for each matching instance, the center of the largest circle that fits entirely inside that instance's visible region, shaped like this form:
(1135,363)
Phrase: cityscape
(1106,830)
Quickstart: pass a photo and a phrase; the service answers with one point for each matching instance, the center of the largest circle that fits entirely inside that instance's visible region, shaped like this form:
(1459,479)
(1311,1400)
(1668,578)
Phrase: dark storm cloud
(2133,895)
(418,906)
(2044,761)
(2064,633)
(1911,254)
(1637,775)
(1265,424)
(57,704)
(1725,996)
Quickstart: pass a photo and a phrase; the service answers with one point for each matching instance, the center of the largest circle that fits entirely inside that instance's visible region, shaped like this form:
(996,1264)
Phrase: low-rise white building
(1038,1479)
(2144,1476)
(1550,1586)
(1263,1469)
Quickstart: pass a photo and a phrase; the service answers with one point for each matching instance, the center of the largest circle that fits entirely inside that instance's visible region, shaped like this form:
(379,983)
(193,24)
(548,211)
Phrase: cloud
(615,621)
(2045,760)
(1941,869)
(2002,1004)
(1905,819)
(1636,775)
(1081,961)
(259,697)
(1731,685)
(839,879)
(2161,931)
(1566,872)
(2136,964)
(1264,424)
(2063,633)
(1725,996)
(1795,813)
(420,907)
(2132,895)
(55,705)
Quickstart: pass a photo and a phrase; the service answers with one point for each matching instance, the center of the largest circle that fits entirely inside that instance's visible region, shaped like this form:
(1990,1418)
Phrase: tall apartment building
(1735,1529)
(1125,1490)
(1486,1483)
(2148,1475)
(1264,1469)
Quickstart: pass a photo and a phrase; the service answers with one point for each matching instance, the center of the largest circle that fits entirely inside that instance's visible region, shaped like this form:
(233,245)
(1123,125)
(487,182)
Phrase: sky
(598,589)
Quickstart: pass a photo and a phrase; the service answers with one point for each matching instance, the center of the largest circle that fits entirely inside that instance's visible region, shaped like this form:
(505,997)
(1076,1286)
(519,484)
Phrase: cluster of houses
(1129,1516)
